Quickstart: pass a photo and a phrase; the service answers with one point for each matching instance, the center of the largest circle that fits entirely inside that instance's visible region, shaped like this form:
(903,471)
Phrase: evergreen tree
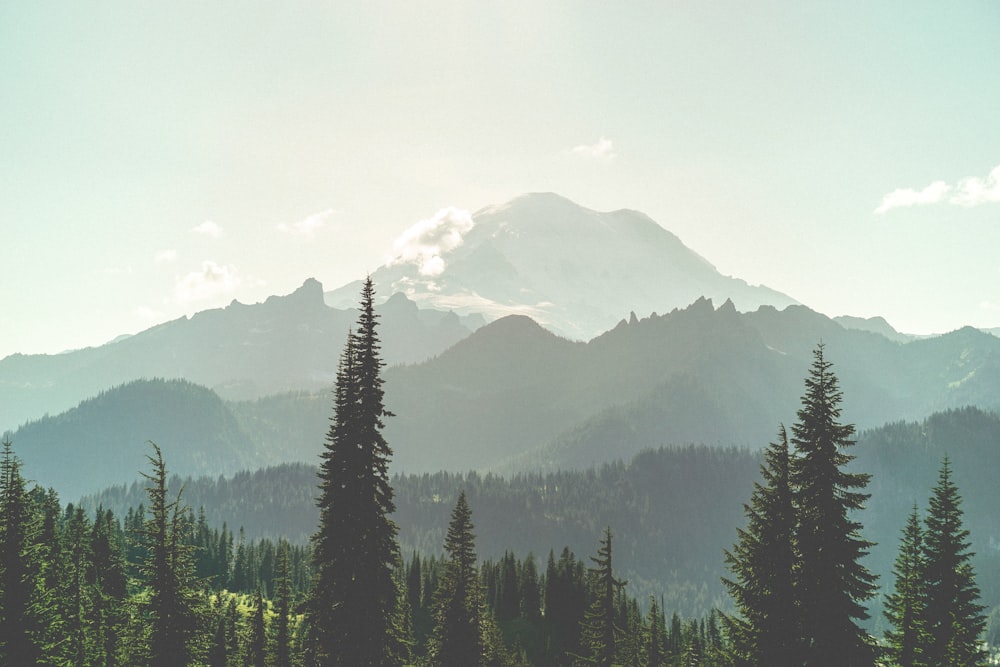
(953,617)
(457,635)
(256,640)
(656,639)
(763,564)
(282,611)
(600,632)
(19,621)
(831,582)
(905,606)
(107,576)
(353,602)
(168,572)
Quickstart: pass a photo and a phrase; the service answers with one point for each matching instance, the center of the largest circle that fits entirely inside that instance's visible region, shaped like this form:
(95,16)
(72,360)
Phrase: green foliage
(952,616)
(905,607)
(600,631)
(763,563)
(457,638)
(831,582)
(353,600)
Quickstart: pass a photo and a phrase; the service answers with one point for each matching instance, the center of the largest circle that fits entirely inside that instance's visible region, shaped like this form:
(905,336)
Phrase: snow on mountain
(574,270)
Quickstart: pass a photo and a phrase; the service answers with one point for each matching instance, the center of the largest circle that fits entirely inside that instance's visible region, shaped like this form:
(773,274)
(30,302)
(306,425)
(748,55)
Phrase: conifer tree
(107,576)
(656,639)
(763,564)
(353,602)
(168,572)
(19,622)
(283,610)
(600,632)
(831,582)
(457,635)
(256,640)
(905,606)
(953,617)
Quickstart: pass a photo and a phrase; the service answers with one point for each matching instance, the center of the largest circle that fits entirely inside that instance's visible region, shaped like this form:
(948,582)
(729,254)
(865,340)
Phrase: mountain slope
(104,439)
(242,351)
(574,270)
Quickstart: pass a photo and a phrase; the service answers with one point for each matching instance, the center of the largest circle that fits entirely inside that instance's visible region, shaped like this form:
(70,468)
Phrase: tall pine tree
(905,606)
(458,604)
(352,607)
(953,618)
(600,633)
(831,582)
(21,622)
(763,564)
(168,570)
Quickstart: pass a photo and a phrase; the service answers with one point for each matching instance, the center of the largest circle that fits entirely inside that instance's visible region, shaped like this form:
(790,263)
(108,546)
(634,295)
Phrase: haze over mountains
(508,396)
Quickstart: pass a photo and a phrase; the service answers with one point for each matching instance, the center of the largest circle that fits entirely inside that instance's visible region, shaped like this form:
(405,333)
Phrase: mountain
(105,438)
(515,397)
(242,351)
(874,324)
(573,270)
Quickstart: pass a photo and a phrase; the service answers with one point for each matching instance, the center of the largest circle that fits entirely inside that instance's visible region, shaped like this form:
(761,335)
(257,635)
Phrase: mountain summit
(574,270)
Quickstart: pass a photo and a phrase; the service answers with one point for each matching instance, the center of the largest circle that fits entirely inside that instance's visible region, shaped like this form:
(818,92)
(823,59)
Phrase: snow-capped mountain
(574,270)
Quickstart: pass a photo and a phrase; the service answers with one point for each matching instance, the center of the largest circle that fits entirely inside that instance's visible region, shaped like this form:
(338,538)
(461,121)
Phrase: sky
(158,159)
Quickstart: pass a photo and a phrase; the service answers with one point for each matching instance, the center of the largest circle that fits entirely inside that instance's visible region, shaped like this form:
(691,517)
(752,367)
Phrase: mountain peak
(572,269)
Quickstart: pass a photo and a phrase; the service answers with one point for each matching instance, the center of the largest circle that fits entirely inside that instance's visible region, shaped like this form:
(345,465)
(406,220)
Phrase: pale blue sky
(161,158)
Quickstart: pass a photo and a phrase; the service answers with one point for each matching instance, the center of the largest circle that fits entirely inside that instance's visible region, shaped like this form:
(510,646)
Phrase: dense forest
(160,583)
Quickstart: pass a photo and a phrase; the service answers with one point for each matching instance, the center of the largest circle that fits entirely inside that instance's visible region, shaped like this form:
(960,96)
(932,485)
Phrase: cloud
(603,149)
(425,243)
(308,225)
(975,191)
(968,192)
(208,228)
(164,256)
(932,194)
(211,281)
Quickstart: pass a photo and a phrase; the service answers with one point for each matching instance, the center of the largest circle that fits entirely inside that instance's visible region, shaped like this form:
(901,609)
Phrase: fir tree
(168,572)
(457,635)
(352,605)
(831,582)
(953,617)
(282,610)
(256,639)
(656,639)
(600,633)
(905,606)
(763,564)
(19,620)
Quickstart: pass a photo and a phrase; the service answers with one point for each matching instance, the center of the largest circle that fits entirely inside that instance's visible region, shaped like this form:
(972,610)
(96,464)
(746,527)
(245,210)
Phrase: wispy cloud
(208,228)
(972,191)
(427,242)
(904,197)
(975,191)
(165,256)
(211,281)
(602,149)
(309,225)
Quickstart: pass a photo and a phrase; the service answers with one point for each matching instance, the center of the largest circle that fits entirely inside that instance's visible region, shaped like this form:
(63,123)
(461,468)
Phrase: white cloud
(603,149)
(164,256)
(308,225)
(211,281)
(425,243)
(975,191)
(968,192)
(208,228)
(903,197)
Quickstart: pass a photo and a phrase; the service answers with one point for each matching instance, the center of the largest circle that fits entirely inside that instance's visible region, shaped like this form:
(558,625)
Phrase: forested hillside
(673,509)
